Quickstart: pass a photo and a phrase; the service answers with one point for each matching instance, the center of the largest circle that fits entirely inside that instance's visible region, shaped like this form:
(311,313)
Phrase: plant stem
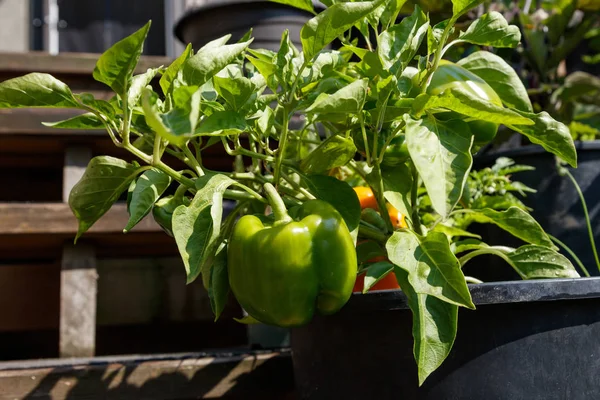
(251,192)
(586,214)
(364,134)
(378,192)
(126,120)
(571,253)
(282,146)
(276,202)
(297,187)
(416,220)
(295,85)
(241,196)
(191,160)
(470,279)
(438,54)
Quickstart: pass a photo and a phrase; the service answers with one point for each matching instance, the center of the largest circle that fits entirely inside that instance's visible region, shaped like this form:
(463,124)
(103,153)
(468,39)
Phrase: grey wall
(14,25)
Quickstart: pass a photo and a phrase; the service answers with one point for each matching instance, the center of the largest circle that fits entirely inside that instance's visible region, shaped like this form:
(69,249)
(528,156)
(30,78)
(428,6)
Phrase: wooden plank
(257,375)
(78,288)
(65,63)
(28,121)
(57,218)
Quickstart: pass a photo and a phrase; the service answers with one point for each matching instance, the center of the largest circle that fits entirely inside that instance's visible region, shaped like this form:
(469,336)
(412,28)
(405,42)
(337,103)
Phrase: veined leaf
(501,77)
(460,7)
(148,189)
(434,327)
(335,151)
(218,292)
(441,152)
(36,90)
(432,267)
(399,44)
(329,24)
(348,100)
(170,74)
(83,121)
(397,183)
(115,67)
(222,123)
(375,273)
(492,30)
(104,180)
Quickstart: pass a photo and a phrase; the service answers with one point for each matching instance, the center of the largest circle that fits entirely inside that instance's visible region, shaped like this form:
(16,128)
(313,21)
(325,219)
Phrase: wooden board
(257,375)
(57,218)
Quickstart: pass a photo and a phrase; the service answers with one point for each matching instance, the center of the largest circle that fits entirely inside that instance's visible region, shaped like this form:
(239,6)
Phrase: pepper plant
(291,120)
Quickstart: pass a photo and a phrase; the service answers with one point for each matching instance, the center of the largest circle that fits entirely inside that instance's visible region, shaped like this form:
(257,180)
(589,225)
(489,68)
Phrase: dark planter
(217,18)
(527,340)
(556,205)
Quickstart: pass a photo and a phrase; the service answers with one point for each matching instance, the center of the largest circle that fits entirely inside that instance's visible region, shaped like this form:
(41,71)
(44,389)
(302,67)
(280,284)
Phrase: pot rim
(509,292)
(214,4)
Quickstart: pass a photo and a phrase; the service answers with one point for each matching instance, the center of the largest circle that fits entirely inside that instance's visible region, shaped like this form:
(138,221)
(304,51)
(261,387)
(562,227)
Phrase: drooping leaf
(148,189)
(432,267)
(335,151)
(329,24)
(36,90)
(218,292)
(170,74)
(347,100)
(197,226)
(492,30)
(399,44)
(501,77)
(515,221)
(434,327)
(199,68)
(465,103)
(538,262)
(104,180)
(441,152)
(222,123)
(83,121)
(339,194)
(552,135)
(116,65)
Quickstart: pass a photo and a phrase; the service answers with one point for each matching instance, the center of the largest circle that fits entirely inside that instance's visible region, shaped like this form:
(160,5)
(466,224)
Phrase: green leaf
(287,61)
(452,232)
(331,23)
(515,221)
(233,87)
(83,121)
(432,267)
(465,103)
(305,5)
(218,291)
(399,44)
(434,327)
(138,83)
(368,250)
(538,262)
(460,7)
(178,125)
(36,90)
(397,183)
(104,180)
(552,135)
(375,273)
(501,77)
(197,226)
(441,152)
(348,100)
(222,123)
(339,194)
(101,106)
(492,30)
(115,67)
(170,74)
(199,68)
(148,189)
(334,152)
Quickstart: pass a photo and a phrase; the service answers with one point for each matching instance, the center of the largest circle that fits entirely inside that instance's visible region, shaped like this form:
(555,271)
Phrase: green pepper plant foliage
(288,119)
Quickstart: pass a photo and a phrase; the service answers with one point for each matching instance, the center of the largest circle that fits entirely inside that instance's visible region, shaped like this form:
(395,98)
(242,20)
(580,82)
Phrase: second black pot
(527,340)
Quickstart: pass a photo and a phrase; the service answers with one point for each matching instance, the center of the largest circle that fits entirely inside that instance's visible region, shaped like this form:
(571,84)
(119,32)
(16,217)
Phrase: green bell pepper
(282,273)
(448,76)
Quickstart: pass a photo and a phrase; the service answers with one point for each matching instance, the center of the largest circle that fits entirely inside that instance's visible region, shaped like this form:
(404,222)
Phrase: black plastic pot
(556,205)
(217,18)
(527,340)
